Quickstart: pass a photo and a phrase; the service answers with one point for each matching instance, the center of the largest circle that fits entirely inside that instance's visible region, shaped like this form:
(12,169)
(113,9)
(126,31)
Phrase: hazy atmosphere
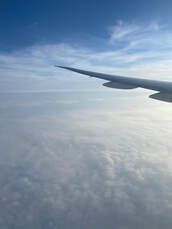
(74,154)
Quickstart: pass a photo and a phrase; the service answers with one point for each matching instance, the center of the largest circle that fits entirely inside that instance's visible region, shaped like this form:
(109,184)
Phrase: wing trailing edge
(117,85)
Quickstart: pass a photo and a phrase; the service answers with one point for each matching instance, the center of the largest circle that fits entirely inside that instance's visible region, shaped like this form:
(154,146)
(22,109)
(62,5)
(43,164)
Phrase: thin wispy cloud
(134,32)
(122,31)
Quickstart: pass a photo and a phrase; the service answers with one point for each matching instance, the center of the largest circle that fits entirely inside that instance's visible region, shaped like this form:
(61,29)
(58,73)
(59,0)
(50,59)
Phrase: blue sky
(127,38)
(24,23)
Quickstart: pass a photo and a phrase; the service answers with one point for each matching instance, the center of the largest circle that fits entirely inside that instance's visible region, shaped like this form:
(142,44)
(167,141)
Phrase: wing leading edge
(164,88)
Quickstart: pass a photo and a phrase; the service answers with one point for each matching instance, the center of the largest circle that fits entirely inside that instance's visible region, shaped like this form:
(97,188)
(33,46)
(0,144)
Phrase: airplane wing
(163,88)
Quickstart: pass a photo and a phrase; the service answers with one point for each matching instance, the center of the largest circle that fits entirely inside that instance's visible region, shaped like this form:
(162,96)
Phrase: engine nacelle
(165,97)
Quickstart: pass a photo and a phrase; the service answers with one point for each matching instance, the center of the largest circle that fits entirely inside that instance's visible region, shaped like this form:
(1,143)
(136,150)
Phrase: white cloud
(122,31)
(134,32)
(108,166)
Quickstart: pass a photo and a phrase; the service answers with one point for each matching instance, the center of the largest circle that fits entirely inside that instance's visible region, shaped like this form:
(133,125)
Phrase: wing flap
(119,85)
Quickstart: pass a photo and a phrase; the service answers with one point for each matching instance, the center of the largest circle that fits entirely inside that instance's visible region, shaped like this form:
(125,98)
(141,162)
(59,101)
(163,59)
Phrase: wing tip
(59,66)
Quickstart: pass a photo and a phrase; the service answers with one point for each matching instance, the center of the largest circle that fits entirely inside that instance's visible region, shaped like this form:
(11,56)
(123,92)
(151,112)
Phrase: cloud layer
(90,165)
